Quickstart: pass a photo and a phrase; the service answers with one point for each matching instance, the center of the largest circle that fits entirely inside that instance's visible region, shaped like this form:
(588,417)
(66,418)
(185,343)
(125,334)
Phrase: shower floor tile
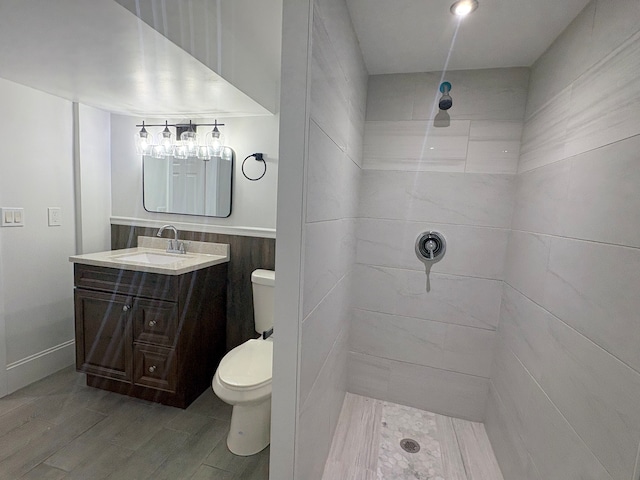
(366,445)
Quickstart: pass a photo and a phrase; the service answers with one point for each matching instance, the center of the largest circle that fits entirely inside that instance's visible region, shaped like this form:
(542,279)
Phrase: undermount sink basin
(151,258)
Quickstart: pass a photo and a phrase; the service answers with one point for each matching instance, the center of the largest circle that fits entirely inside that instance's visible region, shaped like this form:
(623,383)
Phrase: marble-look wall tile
(544,135)
(485,94)
(355,133)
(319,333)
(494,147)
(564,61)
(467,199)
(615,21)
(319,414)
(368,375)
(489,94)
(573,371)
(513,457)
(603,198)
(527,262)
(390,97)
(593,287)
(469,301)
(555,448)
(329,104)
(592,196)
(602,107)
(423,342)
(405,339)
(427,388)
(337,92)
(415,146)
(439,391)
(391,243)
(332,179)
(330,248)
(344,42)
(539,197)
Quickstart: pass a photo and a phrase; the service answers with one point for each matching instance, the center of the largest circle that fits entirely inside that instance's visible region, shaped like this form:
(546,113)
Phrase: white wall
(37,278)
(433,350)
(93,179)
(565,386)
(239,40)
(254,203)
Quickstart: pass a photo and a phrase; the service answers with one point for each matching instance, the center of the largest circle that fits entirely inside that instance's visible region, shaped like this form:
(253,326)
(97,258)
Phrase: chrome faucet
(173,246)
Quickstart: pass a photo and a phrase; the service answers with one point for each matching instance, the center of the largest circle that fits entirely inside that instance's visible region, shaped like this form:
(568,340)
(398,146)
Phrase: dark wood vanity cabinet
(152,336)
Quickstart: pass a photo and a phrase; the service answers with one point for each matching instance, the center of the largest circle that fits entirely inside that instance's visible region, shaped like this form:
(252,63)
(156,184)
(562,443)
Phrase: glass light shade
(181,151)
(203,152)
(165,142)
(157,151)
(190,140)
(215,142)
(144,142)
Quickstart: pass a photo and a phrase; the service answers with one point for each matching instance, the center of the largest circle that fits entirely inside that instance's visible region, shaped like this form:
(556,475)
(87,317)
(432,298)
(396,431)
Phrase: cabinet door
(103,334)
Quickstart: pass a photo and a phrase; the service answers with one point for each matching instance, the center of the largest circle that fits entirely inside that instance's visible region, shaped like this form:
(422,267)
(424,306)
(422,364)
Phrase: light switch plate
(12,217)
(55,216)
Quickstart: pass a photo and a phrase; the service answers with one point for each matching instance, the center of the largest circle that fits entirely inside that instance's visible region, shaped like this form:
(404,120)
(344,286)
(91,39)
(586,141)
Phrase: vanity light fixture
(462,8)
(187,145)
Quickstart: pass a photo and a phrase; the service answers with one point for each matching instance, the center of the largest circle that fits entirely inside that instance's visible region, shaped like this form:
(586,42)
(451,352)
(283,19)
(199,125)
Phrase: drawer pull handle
(152,323)
(126,308)
(152,369)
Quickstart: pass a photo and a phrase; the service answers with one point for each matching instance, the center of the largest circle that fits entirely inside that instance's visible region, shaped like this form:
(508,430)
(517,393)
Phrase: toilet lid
(248,365)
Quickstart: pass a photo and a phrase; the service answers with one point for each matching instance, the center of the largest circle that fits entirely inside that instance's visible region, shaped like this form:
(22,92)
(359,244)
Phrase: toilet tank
(263,282)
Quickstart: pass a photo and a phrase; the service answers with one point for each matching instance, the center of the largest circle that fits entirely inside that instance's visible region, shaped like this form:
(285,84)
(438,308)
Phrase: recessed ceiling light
(464,7)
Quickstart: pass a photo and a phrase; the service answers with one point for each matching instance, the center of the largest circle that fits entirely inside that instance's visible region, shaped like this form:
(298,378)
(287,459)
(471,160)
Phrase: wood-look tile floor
(366,445)
(58,428)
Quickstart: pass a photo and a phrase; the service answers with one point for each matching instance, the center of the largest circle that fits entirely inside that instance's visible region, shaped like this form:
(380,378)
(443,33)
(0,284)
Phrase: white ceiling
(98,53)
(401,36)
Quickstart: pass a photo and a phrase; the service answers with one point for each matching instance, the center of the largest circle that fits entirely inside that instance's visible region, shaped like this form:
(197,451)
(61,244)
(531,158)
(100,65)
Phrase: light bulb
(464,7)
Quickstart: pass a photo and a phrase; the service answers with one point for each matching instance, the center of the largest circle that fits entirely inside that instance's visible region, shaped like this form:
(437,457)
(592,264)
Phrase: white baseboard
(42,364)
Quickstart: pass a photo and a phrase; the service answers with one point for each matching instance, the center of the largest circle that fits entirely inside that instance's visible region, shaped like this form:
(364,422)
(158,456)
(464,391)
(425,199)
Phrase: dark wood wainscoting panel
(247,254)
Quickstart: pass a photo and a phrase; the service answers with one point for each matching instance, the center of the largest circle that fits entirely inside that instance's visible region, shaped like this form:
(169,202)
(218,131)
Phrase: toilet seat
(248,366)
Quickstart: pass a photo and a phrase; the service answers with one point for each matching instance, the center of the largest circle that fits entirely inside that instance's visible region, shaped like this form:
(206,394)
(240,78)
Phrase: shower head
(446,102)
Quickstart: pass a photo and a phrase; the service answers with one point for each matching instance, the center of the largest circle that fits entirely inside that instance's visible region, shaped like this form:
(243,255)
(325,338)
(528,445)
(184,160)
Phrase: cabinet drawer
(126,282)
(155,367)
(155,322)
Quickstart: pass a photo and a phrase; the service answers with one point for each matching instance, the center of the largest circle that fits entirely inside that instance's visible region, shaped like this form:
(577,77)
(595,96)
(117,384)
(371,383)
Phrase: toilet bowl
(243,378)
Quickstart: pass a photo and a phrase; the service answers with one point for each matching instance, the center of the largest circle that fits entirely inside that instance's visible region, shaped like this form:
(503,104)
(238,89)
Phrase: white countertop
(199,255)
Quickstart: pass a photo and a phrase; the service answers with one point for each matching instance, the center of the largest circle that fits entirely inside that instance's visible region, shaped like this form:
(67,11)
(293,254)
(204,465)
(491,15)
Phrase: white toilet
(243,378)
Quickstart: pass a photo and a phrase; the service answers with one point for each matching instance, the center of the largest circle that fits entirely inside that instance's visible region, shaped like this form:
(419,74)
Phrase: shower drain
(410,445)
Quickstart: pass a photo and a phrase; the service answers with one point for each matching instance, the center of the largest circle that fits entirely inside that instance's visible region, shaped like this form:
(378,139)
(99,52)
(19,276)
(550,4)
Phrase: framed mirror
(189,186)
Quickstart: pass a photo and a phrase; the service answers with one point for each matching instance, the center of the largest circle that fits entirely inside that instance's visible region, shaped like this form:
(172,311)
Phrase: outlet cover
(55,216)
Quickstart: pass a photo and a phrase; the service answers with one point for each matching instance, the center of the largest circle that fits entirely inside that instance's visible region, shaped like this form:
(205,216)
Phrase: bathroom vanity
(151,324)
